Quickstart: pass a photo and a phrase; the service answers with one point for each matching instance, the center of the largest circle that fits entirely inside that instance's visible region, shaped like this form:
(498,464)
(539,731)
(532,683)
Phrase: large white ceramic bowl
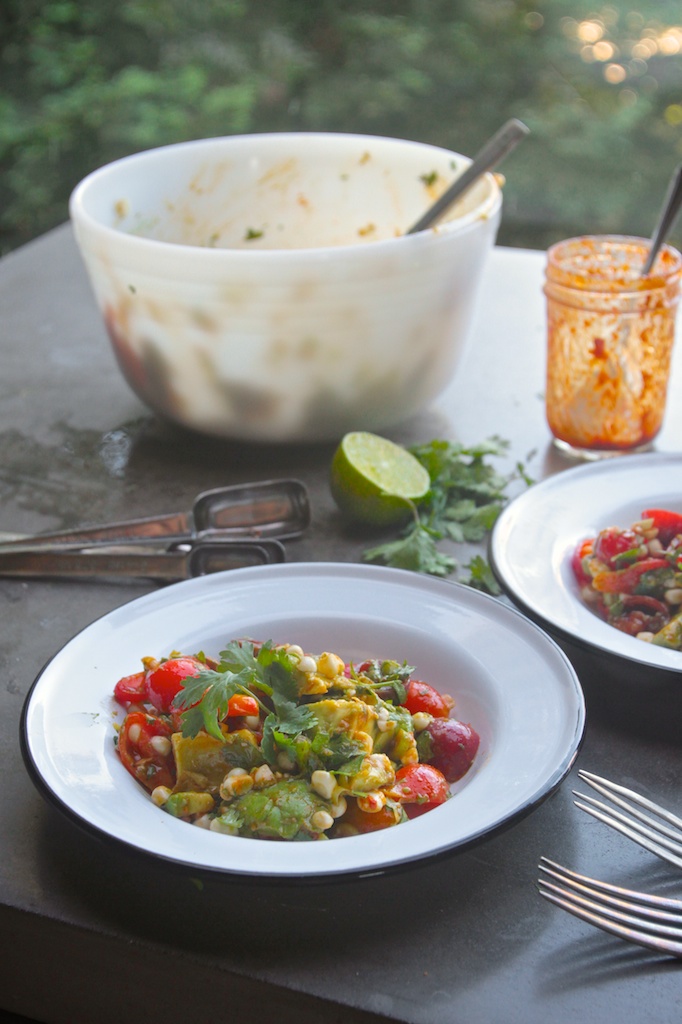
(262,287)
(507,678)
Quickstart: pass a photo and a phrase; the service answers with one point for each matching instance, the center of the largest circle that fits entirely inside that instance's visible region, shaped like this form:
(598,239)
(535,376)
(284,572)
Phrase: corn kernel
(236,783)
(323,783)
(160,795)
(338,807)
(321,820)
(134,732)
(330,665)
(161,744)
(372,802)
(262,776)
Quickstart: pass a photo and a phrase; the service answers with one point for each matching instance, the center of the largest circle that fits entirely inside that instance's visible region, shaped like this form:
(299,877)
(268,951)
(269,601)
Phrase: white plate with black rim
(536,534)
(508,679)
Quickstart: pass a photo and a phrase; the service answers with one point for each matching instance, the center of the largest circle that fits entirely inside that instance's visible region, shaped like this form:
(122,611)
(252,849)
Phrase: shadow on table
(641,702)
(454,921)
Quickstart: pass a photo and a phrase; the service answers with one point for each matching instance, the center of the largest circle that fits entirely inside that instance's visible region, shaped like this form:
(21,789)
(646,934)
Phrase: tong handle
(255,511)
(163,566)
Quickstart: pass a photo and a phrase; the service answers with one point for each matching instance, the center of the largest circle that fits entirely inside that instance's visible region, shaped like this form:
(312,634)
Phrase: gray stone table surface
(92,933)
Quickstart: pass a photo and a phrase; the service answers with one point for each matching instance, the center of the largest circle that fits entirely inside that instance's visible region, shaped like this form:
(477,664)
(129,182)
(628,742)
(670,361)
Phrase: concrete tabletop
(95,933)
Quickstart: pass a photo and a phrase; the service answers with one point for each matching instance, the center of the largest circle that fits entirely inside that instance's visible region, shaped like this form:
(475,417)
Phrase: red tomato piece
(582,550)
(613,542)
(164,682)
(366,821)
(241,704)
(151,764)
(668,524)
(131,689)
(420,788)
(450,746)
(423,697)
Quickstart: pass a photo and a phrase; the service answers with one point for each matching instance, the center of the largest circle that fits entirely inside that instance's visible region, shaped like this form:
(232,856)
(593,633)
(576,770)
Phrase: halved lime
(374,480)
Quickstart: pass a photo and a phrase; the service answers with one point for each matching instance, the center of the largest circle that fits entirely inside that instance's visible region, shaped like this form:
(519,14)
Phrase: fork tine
(640,938)
(668,837)
(664,907)
(571,877)
(610,789)
(653,835)
(640,926)
(654,845)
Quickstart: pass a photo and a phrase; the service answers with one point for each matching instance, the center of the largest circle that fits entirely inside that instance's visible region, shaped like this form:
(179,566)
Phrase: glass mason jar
(610,335)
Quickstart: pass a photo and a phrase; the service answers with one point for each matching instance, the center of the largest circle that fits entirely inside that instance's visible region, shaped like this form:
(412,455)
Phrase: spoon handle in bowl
(502,143)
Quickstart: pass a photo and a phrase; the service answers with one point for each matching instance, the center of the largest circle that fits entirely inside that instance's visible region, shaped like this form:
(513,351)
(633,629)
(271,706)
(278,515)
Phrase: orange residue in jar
(610,337)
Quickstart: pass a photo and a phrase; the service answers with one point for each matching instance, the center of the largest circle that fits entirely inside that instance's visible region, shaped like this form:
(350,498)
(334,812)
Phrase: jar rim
(611,263)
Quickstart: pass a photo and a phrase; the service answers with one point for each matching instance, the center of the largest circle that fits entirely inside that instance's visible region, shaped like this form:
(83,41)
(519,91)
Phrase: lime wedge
(374,480)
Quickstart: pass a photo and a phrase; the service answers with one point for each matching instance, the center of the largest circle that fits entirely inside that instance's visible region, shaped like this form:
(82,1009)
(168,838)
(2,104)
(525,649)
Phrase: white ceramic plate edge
(426,838)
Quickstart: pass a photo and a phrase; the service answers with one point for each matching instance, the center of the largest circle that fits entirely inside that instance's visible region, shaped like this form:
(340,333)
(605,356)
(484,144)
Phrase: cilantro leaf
(417,551)
(465,499)
(204,698)
(481,576)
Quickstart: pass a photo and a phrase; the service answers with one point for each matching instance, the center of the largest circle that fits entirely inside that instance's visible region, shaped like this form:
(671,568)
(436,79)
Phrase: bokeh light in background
(600,87)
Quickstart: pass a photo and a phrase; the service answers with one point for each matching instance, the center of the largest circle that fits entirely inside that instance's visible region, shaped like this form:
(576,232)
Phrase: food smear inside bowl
(268,742)
(263,287)
(632,577)
(305,201)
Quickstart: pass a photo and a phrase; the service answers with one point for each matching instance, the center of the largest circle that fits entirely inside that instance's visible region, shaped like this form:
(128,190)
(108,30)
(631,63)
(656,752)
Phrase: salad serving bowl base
(508,679)
(535,536)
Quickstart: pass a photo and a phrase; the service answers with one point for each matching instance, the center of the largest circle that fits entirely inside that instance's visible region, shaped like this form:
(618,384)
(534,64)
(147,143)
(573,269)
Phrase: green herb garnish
(204,698)
(465,498)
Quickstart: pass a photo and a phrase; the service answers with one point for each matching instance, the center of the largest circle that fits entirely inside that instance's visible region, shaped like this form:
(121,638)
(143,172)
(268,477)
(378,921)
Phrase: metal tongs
(226,528)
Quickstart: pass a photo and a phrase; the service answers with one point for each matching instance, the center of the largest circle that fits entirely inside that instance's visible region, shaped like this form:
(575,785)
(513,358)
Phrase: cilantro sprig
(204,698)
(466,496)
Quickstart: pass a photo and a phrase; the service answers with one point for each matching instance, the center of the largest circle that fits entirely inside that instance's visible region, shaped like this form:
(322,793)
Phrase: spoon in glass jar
(666,218)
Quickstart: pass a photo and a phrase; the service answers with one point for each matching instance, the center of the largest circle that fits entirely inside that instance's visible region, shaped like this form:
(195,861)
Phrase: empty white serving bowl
(262,287)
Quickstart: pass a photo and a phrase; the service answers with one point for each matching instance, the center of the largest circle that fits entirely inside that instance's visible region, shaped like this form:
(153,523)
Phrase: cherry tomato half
(241,704)
(450,746)
(668,524)
(148,760)
(613,542)
(131,689)
(420,788)
(423,697)
(366,821)
(165,681)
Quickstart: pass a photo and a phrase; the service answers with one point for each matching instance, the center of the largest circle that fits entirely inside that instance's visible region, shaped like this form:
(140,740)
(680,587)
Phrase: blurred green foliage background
(82,83)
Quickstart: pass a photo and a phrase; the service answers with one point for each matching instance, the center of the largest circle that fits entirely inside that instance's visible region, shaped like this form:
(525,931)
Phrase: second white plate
(535,536)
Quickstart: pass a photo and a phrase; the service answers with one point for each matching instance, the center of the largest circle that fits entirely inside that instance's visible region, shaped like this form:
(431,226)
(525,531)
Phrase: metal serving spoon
(666,218)
(502,143)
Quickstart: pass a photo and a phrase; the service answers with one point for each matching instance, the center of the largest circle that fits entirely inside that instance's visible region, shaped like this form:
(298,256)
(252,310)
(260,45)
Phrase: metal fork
(651,921)
(649,832)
